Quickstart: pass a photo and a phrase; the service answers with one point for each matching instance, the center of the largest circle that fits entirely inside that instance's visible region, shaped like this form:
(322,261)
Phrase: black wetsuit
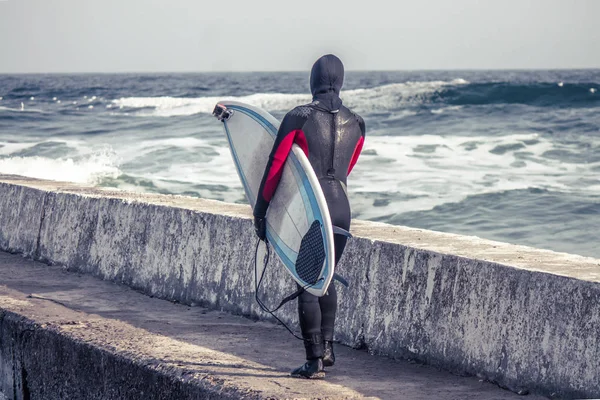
(332,137)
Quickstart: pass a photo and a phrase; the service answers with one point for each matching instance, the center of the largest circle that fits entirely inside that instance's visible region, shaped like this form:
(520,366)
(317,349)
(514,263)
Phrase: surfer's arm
(290,132)
(359,144)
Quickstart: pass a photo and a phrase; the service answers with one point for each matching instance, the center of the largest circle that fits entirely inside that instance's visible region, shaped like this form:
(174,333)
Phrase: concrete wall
(73,369)
(525,318)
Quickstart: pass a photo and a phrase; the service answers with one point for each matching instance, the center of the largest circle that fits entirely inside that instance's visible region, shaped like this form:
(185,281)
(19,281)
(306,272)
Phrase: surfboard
(298,223)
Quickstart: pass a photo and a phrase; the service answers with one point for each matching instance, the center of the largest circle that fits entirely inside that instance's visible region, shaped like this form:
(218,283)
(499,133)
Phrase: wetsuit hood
(326,80)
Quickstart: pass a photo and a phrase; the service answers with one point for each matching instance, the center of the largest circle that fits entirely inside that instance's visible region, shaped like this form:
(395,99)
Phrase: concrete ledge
(74,369)
(62,354)
(72,336)
(524,318)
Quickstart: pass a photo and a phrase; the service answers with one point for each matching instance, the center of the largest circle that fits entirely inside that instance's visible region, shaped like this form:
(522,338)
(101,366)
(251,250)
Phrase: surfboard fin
(340,279)
(340,231)
(222,113)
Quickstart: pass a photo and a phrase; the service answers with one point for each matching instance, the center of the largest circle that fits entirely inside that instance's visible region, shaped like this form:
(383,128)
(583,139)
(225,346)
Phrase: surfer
(332,137)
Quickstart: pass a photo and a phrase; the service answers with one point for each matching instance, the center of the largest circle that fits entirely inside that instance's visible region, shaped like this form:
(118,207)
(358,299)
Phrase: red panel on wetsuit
(279,159)
(301,141)
(356,153)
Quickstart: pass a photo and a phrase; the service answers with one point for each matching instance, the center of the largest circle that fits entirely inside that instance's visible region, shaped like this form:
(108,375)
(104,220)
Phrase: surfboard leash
(258,282)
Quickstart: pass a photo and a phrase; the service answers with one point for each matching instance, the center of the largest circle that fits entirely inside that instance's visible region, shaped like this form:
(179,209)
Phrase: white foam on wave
(132,149)
(431,170)
(90,168)
(173,106)
(7,148)
(395,95)
(184,142)
(199,161)
(386,97)
(219,170)
(24,109)
(417,172)
(446,109)
(215,178)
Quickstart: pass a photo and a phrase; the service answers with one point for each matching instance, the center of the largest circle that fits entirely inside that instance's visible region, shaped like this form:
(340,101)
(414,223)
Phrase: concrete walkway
(222,355)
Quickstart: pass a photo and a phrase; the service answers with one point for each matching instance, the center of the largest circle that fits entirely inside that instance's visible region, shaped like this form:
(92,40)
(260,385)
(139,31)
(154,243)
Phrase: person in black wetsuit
(332,137)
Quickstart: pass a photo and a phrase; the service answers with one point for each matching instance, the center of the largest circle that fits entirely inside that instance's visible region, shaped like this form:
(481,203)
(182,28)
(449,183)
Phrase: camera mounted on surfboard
(222,113)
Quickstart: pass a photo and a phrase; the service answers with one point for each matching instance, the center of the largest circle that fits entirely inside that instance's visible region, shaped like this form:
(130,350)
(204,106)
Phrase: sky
(277,35)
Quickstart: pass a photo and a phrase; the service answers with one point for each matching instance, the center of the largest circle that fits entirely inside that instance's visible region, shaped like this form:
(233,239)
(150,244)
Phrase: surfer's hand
(260,227)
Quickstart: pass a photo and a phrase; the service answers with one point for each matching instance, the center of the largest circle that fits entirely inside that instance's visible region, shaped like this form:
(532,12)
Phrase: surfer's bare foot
(312,369)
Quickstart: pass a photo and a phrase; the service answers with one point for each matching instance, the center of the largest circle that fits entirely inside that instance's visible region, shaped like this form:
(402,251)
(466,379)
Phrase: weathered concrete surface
(69,336)
(522,317)
(21,211)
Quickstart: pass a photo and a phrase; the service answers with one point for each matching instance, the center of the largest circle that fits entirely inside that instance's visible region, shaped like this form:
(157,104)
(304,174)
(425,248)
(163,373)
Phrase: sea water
(506,155)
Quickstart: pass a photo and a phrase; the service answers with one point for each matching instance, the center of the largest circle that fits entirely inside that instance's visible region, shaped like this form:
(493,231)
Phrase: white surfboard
(298,223)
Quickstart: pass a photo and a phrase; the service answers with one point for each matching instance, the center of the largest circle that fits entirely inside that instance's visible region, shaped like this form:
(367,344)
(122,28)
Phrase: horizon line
(299,71)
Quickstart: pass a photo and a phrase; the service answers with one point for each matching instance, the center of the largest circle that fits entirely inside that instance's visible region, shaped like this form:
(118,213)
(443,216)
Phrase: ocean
(512,156)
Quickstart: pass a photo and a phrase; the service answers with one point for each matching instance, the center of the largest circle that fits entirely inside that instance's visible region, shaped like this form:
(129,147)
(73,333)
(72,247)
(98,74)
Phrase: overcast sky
(263,35)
